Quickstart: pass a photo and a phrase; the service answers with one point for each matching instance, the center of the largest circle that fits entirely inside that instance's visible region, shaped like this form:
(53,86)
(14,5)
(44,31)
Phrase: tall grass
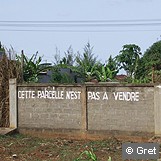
(8,69)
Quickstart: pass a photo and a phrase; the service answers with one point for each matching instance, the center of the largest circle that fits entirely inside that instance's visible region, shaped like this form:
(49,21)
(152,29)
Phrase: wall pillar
(13,103)
(84,109)
(157,109)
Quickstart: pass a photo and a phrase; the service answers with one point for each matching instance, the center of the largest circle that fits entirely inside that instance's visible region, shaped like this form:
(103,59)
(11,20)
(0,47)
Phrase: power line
(82,25)
(82,21)
(58,26)
(81,31)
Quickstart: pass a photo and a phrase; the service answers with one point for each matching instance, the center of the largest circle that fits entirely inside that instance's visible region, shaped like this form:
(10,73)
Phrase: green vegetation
(87,63)
(2,50)
(89,154)
(150,64)
(32,67)
(85,67)
(128,59)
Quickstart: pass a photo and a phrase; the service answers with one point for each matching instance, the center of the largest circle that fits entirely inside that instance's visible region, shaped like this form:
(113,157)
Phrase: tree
(87,63)
(112,66)
(69,58)
(151,60)
(128,59)
(152,56)
(62,71)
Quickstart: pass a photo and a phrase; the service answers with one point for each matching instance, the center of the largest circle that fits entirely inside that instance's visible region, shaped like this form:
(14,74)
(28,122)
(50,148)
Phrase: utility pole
(22,65)
(153,74)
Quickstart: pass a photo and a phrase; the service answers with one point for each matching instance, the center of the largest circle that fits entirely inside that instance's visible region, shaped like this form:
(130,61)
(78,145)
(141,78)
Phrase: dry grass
(8,69)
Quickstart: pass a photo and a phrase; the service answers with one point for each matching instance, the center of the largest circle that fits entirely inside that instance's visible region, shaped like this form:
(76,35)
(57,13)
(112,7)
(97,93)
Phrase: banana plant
(87,72)
(32,67)
(91,73)
(105,74)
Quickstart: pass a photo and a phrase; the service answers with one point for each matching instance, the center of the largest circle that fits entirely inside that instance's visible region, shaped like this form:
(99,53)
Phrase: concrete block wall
(114,113)
(88,108)
(59,112)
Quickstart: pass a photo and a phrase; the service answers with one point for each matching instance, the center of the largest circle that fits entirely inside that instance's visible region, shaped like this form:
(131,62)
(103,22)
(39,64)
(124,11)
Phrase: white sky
(105,43)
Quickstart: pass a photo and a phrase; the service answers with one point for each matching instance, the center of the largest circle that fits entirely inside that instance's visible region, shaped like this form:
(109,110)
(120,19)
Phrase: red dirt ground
(25,148)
